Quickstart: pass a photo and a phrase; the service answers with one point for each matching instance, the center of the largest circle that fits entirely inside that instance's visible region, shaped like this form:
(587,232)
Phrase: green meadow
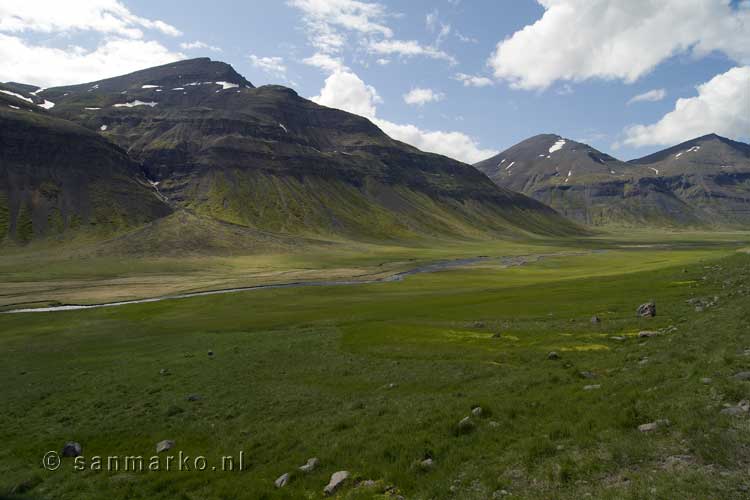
(374,378)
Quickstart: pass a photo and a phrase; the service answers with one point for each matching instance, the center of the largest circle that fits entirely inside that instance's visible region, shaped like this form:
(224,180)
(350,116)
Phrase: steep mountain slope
(268,159)
(711,173)
(56,176)
(587,185)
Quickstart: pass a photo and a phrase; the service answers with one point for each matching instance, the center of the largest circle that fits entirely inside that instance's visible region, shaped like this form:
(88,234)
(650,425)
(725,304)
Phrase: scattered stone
(165,445)
(210,353)
(479,324)
(742,376)
(282,480)
(391,386)
(497,335)
(310,465)
(194,397)
(553,355)
(742,408)
(647,310)
(164,372)
(643,360)
(466,425)
(652,426)
(337,479)
(647,334)
(494,424)
(706,380)
(592,387)
(72,449)
(618,338)
(427,464)
(587,374)
(595,320)
(477,411)
(699,309)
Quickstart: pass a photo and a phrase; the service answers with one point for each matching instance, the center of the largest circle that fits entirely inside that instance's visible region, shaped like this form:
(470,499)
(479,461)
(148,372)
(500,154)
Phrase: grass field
(374,378)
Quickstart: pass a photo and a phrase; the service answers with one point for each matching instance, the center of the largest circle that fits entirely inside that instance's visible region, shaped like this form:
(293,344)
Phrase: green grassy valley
(375,378)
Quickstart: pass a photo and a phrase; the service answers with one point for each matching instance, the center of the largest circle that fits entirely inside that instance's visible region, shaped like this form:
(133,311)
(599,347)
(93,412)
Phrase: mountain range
(192,155)
(196,138)
(704,182)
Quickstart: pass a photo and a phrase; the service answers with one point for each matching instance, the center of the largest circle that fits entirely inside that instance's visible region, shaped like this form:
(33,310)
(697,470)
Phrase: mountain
(710,173)
(56,176)
(269,160)
(586,185)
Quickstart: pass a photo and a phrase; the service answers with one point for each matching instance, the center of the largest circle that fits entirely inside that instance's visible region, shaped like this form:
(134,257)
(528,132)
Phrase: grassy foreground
(374,379)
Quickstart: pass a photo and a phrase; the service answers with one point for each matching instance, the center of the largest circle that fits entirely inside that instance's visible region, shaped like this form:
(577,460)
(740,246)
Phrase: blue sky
(569,67)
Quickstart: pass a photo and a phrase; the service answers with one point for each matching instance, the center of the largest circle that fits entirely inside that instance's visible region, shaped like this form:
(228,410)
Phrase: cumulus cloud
(121,45)
(473,80)
(345,90)
(580,39)
(198,45)
(650,96)
(409,48)
(271,65)
(50,16)
(421,96)
(47,67)
(722,106)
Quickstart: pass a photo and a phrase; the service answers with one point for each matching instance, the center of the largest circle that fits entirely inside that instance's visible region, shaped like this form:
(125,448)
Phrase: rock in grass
(595,320)
(427,464)
(587,374)
(164,372)
(647,334)
(194,397)
(337,479)
(210,353)
(466,425)
(734,411)
(553,355)
(72,449)
(706,380)
(647,310)
(742,376)
(310,465)
(282,480)
(592,387)
(477,411)
(652,426)
(165,445)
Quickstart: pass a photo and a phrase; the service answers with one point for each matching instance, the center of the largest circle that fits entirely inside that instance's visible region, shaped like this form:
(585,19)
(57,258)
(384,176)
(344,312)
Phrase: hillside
(268,159)
(57,178)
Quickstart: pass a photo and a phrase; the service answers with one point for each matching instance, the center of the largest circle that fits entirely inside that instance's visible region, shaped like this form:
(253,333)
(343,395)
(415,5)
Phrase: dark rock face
(56,177)
(698,183)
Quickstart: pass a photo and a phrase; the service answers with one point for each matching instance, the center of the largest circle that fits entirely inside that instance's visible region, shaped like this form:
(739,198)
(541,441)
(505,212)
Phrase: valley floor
(374,378)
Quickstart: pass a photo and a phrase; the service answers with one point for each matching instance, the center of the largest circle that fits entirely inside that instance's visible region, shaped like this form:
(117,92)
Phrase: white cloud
(325,18)
(50,16)
(325,62)
(452,144)
(650,96)
(383,61)
(722,106)
(198,45)
(48,67)
(473,80)
(272,65)
(409,48)
(345,90)
(581,39)
(421,96)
